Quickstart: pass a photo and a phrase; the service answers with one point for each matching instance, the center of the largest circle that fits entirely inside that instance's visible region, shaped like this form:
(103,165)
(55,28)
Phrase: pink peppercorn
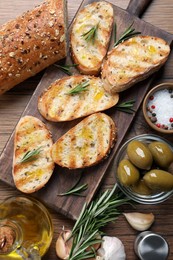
(158,125)
(171,119)
(153,106)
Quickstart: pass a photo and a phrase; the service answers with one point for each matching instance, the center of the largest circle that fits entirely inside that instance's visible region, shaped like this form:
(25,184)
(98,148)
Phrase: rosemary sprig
(93,217)
(91,34)
(31,155)
(75,190)
(79,88)
(128,33)
(126,107)
(66,68)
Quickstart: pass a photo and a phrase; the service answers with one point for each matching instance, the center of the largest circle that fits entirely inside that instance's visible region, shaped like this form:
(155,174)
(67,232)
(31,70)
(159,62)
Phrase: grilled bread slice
(90,36)
(56,104)
(132,61)
(31,172)
(85,144)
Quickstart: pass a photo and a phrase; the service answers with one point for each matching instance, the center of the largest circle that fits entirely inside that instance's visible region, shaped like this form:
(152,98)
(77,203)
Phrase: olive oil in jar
(25,229)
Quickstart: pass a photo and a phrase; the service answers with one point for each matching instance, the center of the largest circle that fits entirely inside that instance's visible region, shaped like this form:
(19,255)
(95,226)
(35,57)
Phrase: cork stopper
(7,239)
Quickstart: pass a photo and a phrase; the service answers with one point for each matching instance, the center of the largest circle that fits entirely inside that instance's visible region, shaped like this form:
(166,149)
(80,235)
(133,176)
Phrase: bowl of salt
(158,108)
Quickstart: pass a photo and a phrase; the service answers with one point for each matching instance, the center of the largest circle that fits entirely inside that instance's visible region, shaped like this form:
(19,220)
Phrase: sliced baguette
(132,61)
(31,134)
(56,105)
(89,54)
(87,143)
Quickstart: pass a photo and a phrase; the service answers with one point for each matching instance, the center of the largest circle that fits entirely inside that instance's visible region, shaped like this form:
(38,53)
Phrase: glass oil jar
(26,229)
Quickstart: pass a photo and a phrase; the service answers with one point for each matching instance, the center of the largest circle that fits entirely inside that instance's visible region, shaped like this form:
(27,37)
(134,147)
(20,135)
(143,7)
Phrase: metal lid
(149,246)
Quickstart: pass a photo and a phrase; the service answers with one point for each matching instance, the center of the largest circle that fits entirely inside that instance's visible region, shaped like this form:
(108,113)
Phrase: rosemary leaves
(128,33)
(76,190)
(66,68)
(31,155)
(126,107)
(91,34)
(93,217)
(79,88)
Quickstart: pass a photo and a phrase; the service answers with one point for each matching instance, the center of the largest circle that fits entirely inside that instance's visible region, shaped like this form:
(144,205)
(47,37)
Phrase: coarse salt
(160,108)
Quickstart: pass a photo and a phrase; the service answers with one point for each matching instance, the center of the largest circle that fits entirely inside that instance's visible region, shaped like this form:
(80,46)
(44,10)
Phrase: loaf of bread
(32,161)
(90,36)
(132,61)
(74,97)
(32,42)
(85,144)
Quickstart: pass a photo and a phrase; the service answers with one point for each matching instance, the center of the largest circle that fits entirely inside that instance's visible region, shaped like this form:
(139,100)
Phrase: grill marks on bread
(31,134)
(89,54)
(132,61)
(56,105)
(87,143)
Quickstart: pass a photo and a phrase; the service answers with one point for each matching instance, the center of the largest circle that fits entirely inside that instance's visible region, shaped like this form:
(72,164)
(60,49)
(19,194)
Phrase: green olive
(127,173)
(159,180)
(141,188)
(162,154)
(139,155)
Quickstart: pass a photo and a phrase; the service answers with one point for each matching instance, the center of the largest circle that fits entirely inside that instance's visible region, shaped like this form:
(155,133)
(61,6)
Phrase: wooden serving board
(63,179)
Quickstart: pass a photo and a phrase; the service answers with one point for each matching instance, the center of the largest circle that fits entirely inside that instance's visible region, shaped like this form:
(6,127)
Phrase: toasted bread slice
(88,53)
(32,135)
(87,143)
(133,61)
(55,104)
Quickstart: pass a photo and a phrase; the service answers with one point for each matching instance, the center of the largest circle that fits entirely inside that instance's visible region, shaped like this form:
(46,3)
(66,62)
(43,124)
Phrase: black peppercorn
(153,119)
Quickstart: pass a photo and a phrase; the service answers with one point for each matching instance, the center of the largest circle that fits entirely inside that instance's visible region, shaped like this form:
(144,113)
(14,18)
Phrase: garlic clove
(63,245)
(140,221)
(111,248)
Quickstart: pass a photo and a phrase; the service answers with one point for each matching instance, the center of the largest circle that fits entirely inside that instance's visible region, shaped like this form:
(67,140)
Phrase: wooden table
(12,104)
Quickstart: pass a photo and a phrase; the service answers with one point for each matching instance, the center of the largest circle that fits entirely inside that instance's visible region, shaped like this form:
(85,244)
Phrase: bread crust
(90,54)
(56,105)
(32,175)
(87,143)
(132,61)
(32,42)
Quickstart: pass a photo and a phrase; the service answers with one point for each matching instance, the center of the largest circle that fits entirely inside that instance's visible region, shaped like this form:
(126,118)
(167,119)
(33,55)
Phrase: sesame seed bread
(56,105)
(85,144)
(32,42)
(89,54)
(132,61)
(32,175)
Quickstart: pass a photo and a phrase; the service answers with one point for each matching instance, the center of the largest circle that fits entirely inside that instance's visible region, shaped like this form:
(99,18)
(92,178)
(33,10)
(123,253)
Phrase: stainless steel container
(151,246)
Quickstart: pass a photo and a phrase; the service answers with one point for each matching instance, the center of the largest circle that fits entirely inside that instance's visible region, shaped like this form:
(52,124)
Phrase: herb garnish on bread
(32,162)
(132,61)
(90,36)
(74,97)
(85,144)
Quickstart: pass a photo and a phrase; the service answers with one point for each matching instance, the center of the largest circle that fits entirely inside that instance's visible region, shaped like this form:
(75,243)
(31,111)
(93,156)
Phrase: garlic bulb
(140,221)
(111,248)
(63,245)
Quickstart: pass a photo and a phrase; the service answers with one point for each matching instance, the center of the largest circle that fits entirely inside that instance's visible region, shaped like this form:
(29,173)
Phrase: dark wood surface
(93,175)
(12,104)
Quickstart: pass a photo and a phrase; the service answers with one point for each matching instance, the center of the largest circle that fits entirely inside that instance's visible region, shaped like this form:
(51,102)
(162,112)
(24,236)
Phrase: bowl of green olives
(143,169)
